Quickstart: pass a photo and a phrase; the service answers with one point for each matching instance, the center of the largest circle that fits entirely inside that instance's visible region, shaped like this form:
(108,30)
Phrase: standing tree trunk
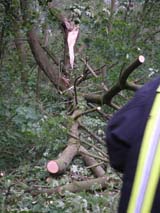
(21,49)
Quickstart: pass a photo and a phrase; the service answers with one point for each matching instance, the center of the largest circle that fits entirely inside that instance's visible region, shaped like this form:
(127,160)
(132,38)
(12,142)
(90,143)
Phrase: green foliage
(25,131)
(33,121)
(16,197)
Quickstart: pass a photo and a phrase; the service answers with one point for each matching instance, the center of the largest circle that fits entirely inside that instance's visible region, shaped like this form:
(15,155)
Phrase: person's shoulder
(150,85)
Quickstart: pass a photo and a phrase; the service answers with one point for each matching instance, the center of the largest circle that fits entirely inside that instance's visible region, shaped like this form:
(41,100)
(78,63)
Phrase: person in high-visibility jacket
(133,142)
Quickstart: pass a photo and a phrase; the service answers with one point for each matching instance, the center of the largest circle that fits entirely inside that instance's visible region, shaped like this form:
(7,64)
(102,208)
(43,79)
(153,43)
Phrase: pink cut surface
(52,167)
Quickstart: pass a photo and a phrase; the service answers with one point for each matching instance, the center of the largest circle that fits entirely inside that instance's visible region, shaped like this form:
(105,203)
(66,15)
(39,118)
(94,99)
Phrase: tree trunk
(22,56)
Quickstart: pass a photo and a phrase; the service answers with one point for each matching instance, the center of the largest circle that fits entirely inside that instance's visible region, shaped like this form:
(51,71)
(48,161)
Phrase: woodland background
(49,111)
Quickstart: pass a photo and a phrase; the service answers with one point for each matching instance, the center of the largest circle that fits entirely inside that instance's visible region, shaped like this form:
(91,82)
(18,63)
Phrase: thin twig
(79,78)
(92,145)
(95,165)
(95,156)
(89,67)
(99,110)
(92,134)
(86,112)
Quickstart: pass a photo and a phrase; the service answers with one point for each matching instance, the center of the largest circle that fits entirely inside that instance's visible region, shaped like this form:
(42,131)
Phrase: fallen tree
(67,85)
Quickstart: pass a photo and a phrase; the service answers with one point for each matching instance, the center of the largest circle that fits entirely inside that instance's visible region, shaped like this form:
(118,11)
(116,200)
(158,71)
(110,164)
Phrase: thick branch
(120,85)
(61,164)
(53,57)
(59,81)
(125,74)
(69,30)
(44,63)
(97,170)
(89,185)
(92,98)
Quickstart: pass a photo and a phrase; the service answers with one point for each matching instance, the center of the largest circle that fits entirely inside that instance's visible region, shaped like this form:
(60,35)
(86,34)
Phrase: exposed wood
(62,83)
(120,85)
(123,83)
(125,74)
(74,148)
(61,164)
(67,28)
(58,80)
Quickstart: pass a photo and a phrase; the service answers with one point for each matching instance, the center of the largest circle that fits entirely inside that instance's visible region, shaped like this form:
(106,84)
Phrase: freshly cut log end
(141,59)
(52,167)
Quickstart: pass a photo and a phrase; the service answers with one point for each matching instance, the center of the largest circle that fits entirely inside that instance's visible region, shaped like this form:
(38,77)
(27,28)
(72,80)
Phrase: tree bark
(42,60)
(76,186)
(7,5)
(97,170)
(74,148)
(120,85)
(22,56)
(61,164)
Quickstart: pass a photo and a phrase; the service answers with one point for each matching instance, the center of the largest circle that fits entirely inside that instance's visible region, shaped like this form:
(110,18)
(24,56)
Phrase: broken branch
(89,67)
(122,83)
(125,74)
(90,161)
(92,134)
(62,163)
(76,186)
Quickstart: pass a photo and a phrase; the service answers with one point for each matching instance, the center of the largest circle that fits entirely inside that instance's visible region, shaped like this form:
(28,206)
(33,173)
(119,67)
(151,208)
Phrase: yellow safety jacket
(148,167)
